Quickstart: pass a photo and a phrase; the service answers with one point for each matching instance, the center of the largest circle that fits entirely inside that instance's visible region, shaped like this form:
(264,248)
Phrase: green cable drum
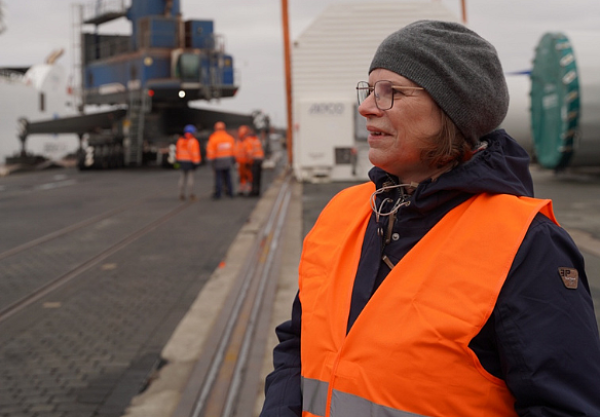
(555,101)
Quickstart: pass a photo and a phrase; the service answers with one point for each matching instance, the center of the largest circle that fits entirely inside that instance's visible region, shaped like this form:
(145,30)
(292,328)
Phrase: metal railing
(97,8)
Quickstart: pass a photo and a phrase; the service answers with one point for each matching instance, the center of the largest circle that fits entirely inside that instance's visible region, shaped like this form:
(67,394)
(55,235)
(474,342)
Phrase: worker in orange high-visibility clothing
(188,157)
(243,160)
(257,155)
(441,287)
(219,152)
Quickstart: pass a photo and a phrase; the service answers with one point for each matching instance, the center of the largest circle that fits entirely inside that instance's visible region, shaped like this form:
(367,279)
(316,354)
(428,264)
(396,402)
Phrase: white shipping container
(324,146)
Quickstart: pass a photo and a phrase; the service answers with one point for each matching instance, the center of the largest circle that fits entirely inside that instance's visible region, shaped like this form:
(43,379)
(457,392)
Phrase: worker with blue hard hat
(188,157)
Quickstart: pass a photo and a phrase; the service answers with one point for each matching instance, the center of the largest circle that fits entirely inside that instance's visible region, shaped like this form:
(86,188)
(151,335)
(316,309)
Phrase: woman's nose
(368,106)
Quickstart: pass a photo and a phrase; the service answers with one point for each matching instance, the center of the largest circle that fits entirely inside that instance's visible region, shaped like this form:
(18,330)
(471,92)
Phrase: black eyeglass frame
(361,86)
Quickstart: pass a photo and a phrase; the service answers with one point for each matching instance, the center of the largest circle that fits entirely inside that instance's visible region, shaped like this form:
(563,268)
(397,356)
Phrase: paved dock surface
(135,258)
(122,336)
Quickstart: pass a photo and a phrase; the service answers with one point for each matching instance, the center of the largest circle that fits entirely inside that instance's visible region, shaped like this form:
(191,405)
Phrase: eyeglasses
(384,92)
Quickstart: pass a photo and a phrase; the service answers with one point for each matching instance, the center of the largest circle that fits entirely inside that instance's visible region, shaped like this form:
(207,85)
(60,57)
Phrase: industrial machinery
(565,100)
(147,79)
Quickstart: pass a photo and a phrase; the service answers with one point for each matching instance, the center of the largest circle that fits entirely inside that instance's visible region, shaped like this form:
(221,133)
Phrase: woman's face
(397,135)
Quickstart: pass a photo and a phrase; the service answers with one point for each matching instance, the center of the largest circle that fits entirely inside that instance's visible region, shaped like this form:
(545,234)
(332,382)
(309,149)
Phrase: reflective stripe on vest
(407,353)
(314,396)
(343,404)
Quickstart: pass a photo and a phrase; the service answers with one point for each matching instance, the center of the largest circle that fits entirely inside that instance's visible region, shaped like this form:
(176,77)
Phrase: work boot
(182,197)
(193,197)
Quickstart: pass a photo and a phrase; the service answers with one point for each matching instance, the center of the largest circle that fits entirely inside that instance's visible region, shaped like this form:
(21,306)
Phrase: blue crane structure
(147,78)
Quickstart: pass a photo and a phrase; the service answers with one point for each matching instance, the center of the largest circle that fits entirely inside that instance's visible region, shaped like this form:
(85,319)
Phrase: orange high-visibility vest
(188,149)
(408,352)
(220,145)
(255,149)
(240,152)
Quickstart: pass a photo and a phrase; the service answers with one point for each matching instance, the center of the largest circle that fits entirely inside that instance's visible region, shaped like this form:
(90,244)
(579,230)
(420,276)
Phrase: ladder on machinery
(216,67)
(139,105)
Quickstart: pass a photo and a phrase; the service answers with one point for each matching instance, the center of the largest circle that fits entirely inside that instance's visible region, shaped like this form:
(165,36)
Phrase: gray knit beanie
(458,68)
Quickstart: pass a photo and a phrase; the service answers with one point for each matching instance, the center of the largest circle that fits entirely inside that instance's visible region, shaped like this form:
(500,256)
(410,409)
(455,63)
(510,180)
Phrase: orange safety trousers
(244,160)
(408,351)
(245,174)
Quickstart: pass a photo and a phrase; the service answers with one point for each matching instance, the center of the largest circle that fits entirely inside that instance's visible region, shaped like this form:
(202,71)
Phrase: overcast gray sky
(253,33)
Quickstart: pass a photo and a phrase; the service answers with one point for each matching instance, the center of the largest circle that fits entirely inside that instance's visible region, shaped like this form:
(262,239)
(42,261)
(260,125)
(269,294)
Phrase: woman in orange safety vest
(441,288)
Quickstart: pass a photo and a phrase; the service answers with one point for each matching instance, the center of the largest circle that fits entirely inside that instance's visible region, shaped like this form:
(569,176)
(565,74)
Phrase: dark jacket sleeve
(547,334)
(283,396)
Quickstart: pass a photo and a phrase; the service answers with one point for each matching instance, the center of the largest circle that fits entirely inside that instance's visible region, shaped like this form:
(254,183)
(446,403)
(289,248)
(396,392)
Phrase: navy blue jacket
(542,338)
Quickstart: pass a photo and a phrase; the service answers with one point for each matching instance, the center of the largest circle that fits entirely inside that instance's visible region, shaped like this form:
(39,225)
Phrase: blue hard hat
(189,129)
